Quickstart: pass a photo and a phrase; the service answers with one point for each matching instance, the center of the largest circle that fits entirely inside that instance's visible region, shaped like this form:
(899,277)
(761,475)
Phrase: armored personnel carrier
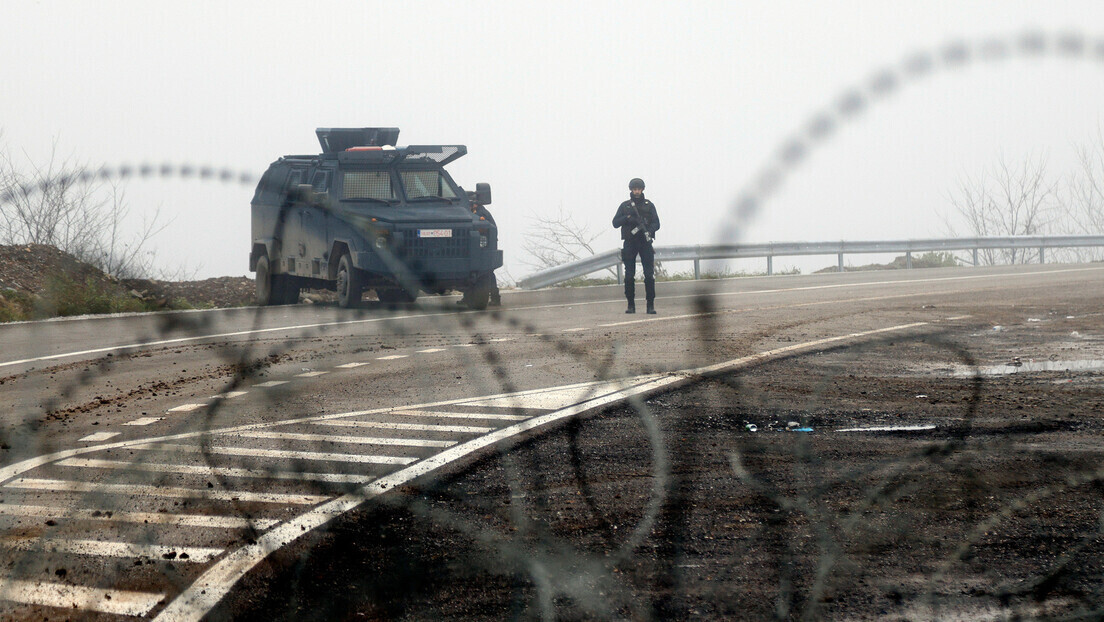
(367,215)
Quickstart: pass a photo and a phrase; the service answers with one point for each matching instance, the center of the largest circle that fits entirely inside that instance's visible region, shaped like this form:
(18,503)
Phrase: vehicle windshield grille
(368,185)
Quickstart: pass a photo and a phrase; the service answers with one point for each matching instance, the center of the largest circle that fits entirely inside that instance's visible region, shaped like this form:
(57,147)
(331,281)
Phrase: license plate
(435,233)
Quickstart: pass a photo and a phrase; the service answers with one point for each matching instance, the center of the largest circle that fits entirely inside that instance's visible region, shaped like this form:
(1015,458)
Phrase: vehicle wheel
(265,292)
(479,295)
(349,288)
(395,296)
(289,290)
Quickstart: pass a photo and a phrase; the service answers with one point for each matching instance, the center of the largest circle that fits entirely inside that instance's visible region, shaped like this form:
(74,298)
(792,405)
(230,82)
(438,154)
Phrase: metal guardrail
(696,253)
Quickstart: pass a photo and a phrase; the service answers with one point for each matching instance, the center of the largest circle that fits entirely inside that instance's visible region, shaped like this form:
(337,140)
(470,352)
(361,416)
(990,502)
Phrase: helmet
(636,182)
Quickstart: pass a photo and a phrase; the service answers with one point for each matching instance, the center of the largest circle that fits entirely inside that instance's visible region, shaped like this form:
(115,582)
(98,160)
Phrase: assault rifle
(640,219)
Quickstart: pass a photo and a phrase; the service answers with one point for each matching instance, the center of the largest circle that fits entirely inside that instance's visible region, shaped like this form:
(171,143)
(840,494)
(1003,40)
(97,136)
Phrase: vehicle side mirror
(483,193)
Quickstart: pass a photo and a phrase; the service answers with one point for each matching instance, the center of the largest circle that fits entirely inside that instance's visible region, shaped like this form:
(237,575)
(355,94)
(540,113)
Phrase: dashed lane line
(99,548)
(351,365)
(391,357)
(121,516)
(419,427)
(97,437)
(188,469)
(228,395)
(335,438)
(76,597)
(57,485)
(271,383)
(144,421)
(431,350)
(278,453)
(311,374)
(187,408)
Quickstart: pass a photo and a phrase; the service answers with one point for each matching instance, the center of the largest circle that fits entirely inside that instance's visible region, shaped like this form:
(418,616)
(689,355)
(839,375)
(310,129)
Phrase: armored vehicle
(365,214)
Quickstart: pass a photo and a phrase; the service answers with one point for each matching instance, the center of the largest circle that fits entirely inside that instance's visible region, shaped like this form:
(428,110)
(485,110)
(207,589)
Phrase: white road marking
(890,428)
(391,357)
(421,427)
(155,467)
(97,437)
(576,330)
(464,345)
(350,365)
(456,415)
(431,350)
(57,485)
(501,339)
(335,438)
(98,548)
(186,408)
(144,421)
(228,395)
(311,374)
(271,383)
(159,518)
(79,598)
(281,453)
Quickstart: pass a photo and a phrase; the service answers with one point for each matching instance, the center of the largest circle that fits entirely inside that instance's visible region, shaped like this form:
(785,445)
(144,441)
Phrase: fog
(560,104)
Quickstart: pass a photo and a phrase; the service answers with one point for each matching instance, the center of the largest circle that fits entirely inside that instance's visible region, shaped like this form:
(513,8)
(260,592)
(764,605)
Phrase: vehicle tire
(479,295)
(289,294)
(395,296)
(266,293)
(349,288)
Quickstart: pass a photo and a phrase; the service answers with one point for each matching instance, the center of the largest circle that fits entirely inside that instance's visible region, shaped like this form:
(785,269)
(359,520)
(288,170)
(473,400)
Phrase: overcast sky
(560,104)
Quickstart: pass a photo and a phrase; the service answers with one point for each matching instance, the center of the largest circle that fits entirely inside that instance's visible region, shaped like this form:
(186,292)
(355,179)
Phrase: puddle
(1031,366)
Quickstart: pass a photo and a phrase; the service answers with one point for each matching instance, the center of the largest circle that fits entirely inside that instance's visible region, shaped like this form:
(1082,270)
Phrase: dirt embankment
(31,274)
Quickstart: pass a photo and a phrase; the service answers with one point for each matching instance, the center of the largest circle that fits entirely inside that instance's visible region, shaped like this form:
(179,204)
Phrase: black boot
(651,307)
(632,307)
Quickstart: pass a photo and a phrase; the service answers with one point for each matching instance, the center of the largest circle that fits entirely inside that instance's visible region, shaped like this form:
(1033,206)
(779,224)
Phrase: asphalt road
(149,462)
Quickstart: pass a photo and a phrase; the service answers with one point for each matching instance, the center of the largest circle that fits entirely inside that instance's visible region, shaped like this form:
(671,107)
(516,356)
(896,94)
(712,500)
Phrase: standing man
(639,221)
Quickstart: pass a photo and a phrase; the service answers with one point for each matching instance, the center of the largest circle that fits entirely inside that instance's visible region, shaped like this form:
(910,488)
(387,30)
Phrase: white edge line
(206,591)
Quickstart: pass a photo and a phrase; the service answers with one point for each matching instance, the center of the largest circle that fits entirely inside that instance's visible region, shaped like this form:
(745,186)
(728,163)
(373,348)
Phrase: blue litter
(802,429)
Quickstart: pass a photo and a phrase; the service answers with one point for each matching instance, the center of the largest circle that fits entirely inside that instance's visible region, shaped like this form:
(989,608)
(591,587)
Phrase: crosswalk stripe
(311,374)
(98,548)
(280,453)
(351,365)
(458,415)
(78,597)
(420,427)
(271,383)
(335,438)
(159,518)
(57,485)
(340,478)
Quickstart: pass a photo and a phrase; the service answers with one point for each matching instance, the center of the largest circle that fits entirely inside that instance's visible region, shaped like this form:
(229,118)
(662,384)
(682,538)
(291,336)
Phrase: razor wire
(668,504)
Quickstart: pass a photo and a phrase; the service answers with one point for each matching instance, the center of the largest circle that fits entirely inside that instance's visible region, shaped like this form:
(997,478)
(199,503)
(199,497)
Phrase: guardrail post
(770,265)
(620,277)
(975,258)
(840,257)
(697,269)
(908,259)
(1042,259)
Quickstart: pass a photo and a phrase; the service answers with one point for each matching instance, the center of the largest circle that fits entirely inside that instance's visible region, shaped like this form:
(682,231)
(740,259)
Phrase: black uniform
(638,243)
